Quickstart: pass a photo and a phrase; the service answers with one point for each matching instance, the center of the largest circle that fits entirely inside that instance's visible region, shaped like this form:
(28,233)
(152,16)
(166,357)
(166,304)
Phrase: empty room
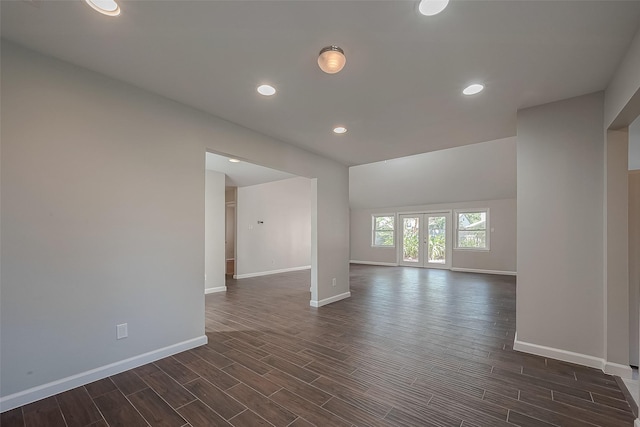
(434,213)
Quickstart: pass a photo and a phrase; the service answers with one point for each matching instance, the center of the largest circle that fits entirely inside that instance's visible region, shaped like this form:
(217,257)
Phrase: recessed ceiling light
(234,160)
(340,129)
(106,7)
(432,7)
(266,90)
(473,89)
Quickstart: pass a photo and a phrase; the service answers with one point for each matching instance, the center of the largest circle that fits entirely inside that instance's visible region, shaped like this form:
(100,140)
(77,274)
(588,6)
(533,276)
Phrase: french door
(425,239)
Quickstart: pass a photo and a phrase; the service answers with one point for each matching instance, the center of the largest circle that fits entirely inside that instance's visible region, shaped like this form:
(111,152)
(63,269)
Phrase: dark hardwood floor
(411,347)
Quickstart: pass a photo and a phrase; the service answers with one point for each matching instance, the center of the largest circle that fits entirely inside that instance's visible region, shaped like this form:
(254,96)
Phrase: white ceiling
(399,93)
(484,171)
(243,174)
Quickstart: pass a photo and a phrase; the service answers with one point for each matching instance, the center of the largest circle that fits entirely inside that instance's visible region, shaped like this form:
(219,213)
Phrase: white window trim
(373,230)
(456,212)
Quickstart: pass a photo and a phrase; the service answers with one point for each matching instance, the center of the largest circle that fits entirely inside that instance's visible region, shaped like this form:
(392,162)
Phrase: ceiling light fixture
(106,7)
(331,59)
(234,160)
(432,7)
(340,130)
(473,89)
(266,90)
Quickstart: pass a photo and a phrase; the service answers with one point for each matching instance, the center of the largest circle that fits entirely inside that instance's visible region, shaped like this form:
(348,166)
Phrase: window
(383,230)
(471,229)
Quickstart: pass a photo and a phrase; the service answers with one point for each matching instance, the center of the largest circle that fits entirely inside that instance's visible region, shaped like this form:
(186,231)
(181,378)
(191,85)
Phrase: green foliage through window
(384,230)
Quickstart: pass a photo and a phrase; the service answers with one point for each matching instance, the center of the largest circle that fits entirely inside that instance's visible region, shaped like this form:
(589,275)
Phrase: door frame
(423,217)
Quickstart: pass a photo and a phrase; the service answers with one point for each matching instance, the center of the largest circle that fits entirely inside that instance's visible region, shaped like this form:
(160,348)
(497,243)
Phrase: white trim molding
(269,272)
(477,270)
(572,357)
(329,300)
(385,264)
(617,369)
(214,290)
(45,390)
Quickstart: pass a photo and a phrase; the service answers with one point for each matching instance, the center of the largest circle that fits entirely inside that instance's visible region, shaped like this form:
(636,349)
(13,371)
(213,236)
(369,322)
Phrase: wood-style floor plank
(215,398)
(314,414)
(128,382)
(411,347)
(170,390)
(253,380)
(176,370)
(200,415)
(78,407)
(44,413)
(262,405)
(118,411)
(249,419)
(155,410)
(12,418)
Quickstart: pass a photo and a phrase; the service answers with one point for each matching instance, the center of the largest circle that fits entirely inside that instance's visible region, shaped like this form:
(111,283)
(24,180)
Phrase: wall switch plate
(122,331)
(333,282)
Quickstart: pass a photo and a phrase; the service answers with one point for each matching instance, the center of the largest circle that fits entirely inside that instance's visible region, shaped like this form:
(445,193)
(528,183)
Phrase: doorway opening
(258,222)
(230,231)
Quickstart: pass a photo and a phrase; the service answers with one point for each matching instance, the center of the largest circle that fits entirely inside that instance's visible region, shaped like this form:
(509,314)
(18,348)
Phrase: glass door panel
(425,240)
(437,239)
(411,239)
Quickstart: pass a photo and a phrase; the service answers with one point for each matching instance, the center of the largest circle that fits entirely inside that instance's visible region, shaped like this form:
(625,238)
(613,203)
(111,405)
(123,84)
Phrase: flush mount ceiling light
(340,130)
(473,89)
(432,7)
(106,7)
(331,59)
(266,90)
(234,160)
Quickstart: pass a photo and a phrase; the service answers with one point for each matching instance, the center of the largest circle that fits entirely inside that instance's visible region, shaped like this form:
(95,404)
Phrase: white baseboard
(45,390)
(622,371)
(214,290)
(572,357)
(329,300)
(267,273)
(477,270)
(386,264)
(556,353)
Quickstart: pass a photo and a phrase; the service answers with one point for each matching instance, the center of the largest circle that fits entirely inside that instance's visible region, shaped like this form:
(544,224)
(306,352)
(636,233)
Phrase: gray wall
(501,257)
(617,247)
(283,240)
(634,145)
(102,223)
(634,261)
(103,217)
(560,220)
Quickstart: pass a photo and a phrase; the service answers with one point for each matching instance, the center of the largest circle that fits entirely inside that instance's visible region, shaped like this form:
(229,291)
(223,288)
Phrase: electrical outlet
(333,282)
(122,331)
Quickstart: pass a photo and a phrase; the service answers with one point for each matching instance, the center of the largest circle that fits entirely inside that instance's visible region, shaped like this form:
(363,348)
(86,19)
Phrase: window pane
(472,221)
(472,239)
(383,238)
(384,223)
